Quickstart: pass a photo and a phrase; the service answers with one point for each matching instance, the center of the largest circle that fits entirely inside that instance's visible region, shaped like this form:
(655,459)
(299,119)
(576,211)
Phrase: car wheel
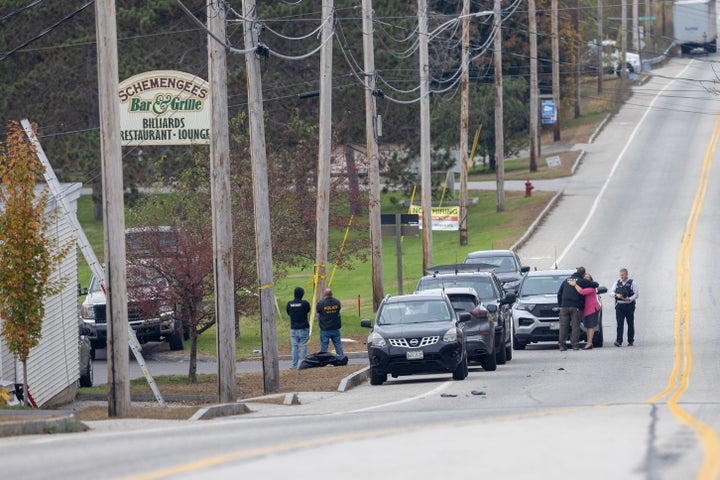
(86,378)
(500,357)
(176,341)
(489,362)
(518,345)
(598,337)
(377,378)
(461,371)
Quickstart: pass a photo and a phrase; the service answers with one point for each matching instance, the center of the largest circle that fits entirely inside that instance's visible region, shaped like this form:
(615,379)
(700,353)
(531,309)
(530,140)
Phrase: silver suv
(536,315)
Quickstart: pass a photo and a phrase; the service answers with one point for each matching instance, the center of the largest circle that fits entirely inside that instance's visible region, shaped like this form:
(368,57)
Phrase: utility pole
(578,52)
(113,210)
(425,164)
(499,127)
(623,43)
(635,27)
(464,108)
(221,203)
(261,201)
(322,211)
(372,156)
(556,67)
(600,45)
(534,135)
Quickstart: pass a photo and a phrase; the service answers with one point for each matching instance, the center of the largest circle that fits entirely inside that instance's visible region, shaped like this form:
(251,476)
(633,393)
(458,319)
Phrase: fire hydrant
(528,188)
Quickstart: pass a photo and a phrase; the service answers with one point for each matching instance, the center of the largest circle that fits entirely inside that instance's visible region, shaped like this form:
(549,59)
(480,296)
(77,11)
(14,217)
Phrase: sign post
(399,224)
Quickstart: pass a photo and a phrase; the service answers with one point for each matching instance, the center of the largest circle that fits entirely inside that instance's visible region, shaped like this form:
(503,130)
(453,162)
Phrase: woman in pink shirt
(590,313)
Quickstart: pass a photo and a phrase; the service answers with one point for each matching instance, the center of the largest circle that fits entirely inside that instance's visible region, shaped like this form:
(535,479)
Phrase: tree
(27,253)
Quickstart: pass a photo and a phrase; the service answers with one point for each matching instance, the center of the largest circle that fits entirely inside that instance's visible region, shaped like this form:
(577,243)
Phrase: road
(644,198)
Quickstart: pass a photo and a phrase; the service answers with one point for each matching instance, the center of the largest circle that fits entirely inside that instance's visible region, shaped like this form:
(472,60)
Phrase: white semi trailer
(695,25)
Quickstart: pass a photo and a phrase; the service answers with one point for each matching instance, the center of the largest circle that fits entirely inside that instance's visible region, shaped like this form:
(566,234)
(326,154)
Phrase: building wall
(53,364)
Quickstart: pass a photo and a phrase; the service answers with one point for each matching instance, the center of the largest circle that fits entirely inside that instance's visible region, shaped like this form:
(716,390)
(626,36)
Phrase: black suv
(416,334)
(505,263)
(480,329)
(491,293)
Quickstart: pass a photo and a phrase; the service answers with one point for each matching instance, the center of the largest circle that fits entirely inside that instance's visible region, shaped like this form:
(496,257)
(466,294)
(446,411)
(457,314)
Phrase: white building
(53,365)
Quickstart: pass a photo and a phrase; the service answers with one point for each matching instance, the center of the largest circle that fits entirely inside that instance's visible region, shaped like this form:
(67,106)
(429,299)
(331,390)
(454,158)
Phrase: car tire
(597,341)
(489,362)
(377,378)
(508,352)
(461,371)
(518,345)
(175,341)
(500,357)
(87,377)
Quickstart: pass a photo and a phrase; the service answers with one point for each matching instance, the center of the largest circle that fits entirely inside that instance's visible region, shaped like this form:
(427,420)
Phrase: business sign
(164,107)
(549,112)
(443,218)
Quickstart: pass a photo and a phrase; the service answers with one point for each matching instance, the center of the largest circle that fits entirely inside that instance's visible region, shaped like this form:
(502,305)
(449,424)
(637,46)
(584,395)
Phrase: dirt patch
(189,397)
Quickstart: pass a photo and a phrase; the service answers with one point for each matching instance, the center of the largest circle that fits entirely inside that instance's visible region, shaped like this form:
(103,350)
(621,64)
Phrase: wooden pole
(425,164)
(499,127)
(464,121)
(373,159)
(533,87)
(556,67)
(221,204)
(261,200)
(113,211)
(322,212)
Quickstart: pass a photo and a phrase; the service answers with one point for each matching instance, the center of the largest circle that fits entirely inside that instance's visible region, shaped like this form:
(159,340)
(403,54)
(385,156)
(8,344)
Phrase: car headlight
(451,335)
(524,306)
(377,340)
(87,312)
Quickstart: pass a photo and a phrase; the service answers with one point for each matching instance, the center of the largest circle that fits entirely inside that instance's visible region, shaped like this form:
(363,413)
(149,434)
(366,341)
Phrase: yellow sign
(443,218)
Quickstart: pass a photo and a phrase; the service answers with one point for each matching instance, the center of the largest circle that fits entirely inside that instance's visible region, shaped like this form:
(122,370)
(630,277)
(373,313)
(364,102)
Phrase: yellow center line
(679,379)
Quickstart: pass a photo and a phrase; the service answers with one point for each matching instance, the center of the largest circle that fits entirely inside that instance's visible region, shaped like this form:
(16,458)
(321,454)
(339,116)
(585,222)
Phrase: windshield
(541,285)
(501,264)
(421,311)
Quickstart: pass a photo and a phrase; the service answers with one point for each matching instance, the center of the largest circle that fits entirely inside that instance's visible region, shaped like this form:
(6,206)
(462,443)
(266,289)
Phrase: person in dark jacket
(298,309)
(572,304)
(328,310)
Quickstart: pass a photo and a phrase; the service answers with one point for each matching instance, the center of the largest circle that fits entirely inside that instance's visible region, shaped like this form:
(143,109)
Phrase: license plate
(555,326)
(414,355)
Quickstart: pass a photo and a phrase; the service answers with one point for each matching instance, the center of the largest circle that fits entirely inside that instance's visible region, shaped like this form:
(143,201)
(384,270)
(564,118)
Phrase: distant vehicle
(505,263)
(480,328)
(415,334)
(86,358)
(491,293)
(695,25)
(536,314)
(149,314)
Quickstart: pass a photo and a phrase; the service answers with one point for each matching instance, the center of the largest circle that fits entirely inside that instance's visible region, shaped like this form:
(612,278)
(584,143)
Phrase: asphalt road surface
(644,198)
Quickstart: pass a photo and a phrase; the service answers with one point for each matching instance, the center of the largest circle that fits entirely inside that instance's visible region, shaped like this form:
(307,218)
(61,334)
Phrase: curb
(63,424)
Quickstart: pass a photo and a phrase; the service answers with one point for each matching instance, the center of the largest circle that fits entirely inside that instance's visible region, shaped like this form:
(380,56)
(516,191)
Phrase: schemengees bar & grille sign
(164,107)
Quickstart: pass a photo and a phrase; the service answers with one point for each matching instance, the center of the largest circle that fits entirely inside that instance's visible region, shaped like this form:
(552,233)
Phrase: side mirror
(366,323)
(492,308)
(525,268)
(601,290)
(464,316)
(81,291)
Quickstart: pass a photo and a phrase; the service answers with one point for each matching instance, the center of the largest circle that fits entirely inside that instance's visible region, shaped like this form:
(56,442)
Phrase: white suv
(536,313)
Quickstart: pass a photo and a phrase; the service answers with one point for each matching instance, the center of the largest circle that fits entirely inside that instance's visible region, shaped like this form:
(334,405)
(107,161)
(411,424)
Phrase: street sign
(650,18)
(549,112)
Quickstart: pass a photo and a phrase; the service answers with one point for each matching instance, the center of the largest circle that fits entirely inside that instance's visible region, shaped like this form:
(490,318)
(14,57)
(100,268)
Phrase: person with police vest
(626,293)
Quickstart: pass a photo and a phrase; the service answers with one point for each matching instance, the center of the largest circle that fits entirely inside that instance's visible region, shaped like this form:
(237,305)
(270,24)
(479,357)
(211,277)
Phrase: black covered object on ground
(321,359)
